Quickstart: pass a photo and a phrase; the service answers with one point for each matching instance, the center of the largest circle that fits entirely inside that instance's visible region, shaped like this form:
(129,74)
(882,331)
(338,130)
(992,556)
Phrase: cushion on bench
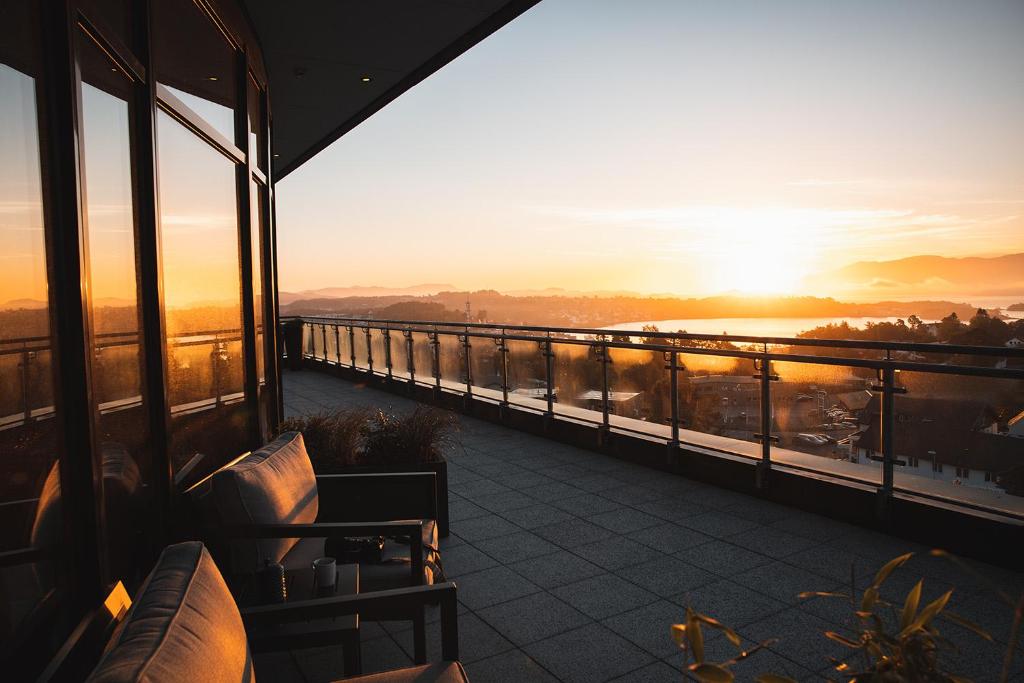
(274,485)
(183,626)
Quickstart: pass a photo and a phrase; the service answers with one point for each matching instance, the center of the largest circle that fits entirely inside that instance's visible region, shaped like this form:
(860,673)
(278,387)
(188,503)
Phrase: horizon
(779,170)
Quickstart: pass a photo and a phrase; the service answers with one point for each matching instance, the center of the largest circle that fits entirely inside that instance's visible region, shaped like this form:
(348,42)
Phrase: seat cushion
(440,672)
(274,485)
(183,626)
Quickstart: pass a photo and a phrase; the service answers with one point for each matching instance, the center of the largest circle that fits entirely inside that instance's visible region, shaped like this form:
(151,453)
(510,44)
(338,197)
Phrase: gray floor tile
(730,603)
(460,509)
(477,640)
(502,502)
(666,576)
(465,559)
(649,626)
(572,533)
(533,617)
(670,538)
(783,582)
(514,665)
(604,595)
(538,514)
(557,569)
(801,638)
(585,504)
(658,672)
(722,558)
(482,528)
(518,546)
(632,494)
(718,524)
(624,521)
(616,554)
(772,542)
(588,654)
(550,493)
(493,586)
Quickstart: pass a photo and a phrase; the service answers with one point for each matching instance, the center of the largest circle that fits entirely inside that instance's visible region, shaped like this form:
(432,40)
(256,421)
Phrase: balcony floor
(571,566)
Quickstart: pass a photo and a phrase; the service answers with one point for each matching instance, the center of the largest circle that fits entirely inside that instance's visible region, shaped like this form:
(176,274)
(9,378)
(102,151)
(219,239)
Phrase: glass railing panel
(453,363)
(331,349)
(209,372)
(485,366)
(362,347)
(317,340)
(308,332)
(117,382)
(527,374)
(960,438)
(423,358)
(399,354)
(380,347)
(719,403)
(639,391)
(344,345)
(577,381)
(825,418)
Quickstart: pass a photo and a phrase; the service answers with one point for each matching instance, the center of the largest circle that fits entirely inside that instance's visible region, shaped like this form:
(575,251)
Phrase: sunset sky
(668,146)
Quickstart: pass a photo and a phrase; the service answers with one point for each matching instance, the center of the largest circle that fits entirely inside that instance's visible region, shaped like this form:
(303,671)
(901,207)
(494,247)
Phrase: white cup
(325,573)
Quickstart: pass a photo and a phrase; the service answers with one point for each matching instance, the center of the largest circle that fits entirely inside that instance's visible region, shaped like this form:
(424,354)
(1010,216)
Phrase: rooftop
(571,566)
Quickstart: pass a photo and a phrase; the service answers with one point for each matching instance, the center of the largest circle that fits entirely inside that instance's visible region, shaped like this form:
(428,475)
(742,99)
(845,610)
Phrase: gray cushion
(441,672)
(274,485)
(183,626)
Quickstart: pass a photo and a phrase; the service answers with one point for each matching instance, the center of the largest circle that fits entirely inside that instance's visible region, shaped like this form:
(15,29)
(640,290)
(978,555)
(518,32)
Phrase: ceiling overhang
(318,54)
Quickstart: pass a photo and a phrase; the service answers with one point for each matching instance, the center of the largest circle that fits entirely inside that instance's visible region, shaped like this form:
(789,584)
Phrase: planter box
(440,469)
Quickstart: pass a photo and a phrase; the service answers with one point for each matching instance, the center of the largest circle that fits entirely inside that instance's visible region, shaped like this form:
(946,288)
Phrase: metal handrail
(886,368)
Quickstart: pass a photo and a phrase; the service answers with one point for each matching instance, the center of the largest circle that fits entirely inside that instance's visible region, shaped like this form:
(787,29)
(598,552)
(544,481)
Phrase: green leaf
(773,678)
(910,604)
(966,623)
(679,634)
(869,599)
(927,614)
(889,568)
(711,673)
(832,635)
(694,635)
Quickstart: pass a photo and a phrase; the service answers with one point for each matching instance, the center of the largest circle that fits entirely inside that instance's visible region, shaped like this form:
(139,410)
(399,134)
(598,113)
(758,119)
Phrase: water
(761,327)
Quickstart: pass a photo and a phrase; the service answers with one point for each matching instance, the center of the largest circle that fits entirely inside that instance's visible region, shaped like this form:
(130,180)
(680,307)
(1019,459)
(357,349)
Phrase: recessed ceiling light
(366,79)
(276,155)
(211,78)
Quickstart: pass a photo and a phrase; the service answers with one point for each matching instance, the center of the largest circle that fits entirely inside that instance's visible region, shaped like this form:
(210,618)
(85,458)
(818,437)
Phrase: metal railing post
(549,375)
(436,360)
(410,363)
(337,345)
(605,362)
(386,334)
(764,466)
(466,346)
(887,376)
(673,368)
(323,336)
(369,350)
(26,392)
(352,345)
(503,359)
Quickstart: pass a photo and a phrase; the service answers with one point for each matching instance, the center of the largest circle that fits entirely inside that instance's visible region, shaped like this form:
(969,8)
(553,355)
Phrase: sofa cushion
(183,626)
(441,672)
(274,485)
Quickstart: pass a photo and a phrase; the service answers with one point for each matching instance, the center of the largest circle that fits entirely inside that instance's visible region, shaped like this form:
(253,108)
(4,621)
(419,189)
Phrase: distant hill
(591,311)
(22,304)
(926,276)
(362,291)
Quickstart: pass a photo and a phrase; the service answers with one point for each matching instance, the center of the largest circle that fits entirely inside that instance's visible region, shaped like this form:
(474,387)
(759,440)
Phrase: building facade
(136,233)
